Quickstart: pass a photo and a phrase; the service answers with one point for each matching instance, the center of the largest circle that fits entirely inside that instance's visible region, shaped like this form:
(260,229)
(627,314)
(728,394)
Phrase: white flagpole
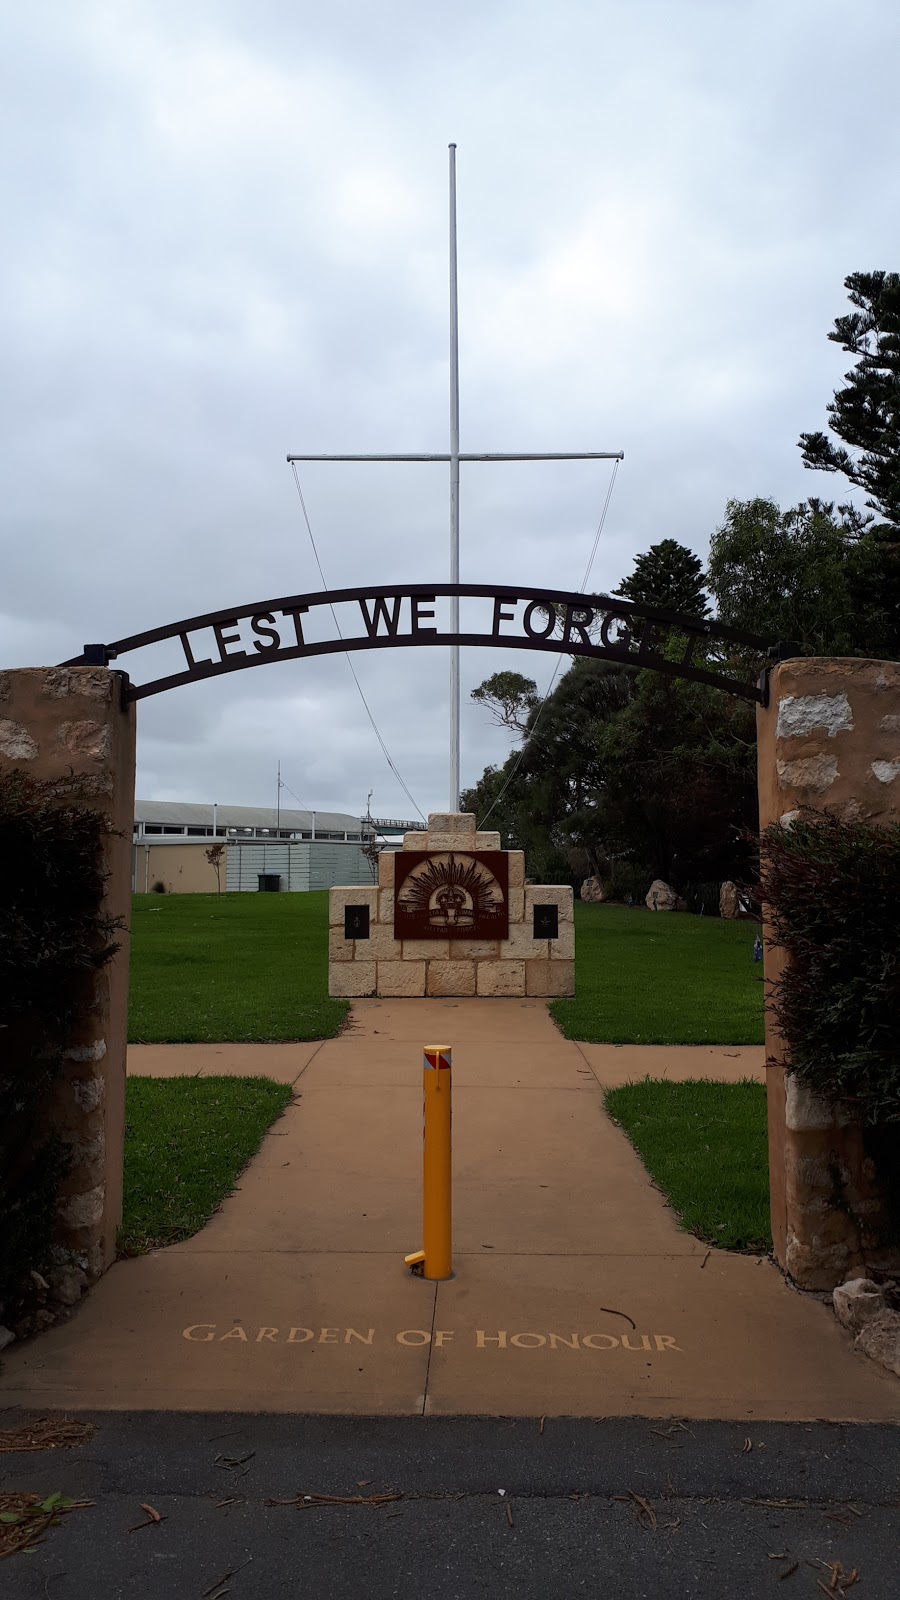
(454,494)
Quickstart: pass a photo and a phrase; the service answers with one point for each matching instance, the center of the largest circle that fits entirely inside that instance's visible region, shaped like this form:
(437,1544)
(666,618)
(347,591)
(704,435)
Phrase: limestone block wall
(517,965)
(828,740)
(68,724)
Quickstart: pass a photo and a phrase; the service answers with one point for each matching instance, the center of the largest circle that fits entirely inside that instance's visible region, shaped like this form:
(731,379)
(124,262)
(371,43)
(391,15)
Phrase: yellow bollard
(435,1259)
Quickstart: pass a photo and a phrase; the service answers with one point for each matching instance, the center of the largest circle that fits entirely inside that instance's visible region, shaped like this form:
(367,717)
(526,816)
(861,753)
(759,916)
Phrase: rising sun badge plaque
(451,894)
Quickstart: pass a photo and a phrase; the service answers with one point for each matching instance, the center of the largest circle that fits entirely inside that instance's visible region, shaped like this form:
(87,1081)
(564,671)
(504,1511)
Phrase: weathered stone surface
(500,977)
(6,1337)
(339,948)
(728,899)
(16,742)
(67,1284)
(451,977)
(886,771)
(85,682)
(457,822)
(516,859)
(546,978)
(880,1339)
(86,738)
(351,980)
(458,843)
(89,1093)
(516,904)
(592,892)
(562,948)
(401,978)
(857,1302)
(415,841)
(474,950)
(522,945)
(803,1109)
(487,841)
(386,906)
(814,773)
(550,894)
(380,945)
(661,896)
(82,1210)
(386,869)
(799,715)
(339,899)
(426,949)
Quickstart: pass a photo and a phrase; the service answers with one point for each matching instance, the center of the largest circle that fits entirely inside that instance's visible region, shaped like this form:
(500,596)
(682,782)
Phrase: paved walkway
(575,1292)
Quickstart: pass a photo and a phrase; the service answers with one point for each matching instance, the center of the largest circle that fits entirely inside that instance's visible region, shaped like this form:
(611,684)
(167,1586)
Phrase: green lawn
(644,977)
(704,1145)
(231,967)
(186,1140)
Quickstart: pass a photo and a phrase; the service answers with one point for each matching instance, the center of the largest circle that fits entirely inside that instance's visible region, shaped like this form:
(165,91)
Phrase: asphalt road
(623,1508)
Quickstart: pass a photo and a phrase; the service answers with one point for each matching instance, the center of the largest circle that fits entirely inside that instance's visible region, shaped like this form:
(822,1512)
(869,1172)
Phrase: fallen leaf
(153,1515)
(509,1514)
(788,1571)
(747,1447)
(541,1429)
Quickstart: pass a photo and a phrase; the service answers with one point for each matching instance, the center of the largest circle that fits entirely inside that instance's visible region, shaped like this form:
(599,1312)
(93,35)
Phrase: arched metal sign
(395,615)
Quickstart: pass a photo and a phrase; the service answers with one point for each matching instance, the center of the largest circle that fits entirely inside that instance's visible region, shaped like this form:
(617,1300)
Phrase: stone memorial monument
(451,915)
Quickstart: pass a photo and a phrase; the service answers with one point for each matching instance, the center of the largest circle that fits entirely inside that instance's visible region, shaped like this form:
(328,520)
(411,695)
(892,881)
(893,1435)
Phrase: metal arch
(640,642)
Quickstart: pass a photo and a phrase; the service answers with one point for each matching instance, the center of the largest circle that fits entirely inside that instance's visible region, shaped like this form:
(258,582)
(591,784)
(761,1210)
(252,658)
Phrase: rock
(6,1337)
(40,1281)
(880,1339)
(66,1284)
(728,900)
(661,896)
(592,891)
(857,1302)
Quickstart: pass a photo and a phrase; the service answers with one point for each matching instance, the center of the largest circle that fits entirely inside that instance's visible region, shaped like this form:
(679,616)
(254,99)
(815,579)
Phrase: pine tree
(670,577)
(865,413)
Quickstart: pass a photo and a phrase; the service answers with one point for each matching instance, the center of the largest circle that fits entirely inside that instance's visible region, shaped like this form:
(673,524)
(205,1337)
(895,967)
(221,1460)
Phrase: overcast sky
(225,238)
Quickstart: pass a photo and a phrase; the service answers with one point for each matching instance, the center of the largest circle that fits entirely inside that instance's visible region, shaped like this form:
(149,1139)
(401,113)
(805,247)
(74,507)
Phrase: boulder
(857,1302)
(66,1284)
(880,1339)
(592,891)
(729,903)
(661,896)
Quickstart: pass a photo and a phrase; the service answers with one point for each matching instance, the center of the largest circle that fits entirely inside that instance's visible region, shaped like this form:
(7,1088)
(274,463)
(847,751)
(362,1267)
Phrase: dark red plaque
(451,894)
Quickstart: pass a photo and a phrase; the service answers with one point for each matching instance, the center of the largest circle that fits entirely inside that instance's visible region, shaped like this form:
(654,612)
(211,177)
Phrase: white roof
(181,814)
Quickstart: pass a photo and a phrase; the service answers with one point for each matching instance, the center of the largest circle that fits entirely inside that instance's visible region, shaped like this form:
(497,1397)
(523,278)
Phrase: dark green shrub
(53,937)
(832,894)
(159,887)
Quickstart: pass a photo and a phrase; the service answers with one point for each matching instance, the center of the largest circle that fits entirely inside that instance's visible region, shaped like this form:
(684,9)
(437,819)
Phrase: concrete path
(575,1291)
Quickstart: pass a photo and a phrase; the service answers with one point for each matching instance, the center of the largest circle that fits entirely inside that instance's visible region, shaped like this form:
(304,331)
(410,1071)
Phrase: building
(264,849)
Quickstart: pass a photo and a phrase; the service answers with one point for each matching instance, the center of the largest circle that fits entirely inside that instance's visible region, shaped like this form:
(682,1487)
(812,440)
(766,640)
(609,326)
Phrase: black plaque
(546,922)
(356,922)
(451,894)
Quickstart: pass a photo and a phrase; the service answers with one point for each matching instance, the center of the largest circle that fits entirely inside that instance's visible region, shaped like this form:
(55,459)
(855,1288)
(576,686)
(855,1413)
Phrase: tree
(865,413)
(510,698)
(670,577)
(215,855)
(807,574)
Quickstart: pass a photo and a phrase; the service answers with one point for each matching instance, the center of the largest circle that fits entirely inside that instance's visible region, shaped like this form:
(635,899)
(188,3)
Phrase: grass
(209,968)
(186,1140)
(704,1145)
(644,977)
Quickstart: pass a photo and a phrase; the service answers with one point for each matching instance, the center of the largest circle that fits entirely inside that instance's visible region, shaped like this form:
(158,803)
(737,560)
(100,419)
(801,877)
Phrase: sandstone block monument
(451,915)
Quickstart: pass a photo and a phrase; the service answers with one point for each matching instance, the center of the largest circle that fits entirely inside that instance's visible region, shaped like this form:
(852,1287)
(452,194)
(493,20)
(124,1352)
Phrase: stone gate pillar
(68,725)
(829,740)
